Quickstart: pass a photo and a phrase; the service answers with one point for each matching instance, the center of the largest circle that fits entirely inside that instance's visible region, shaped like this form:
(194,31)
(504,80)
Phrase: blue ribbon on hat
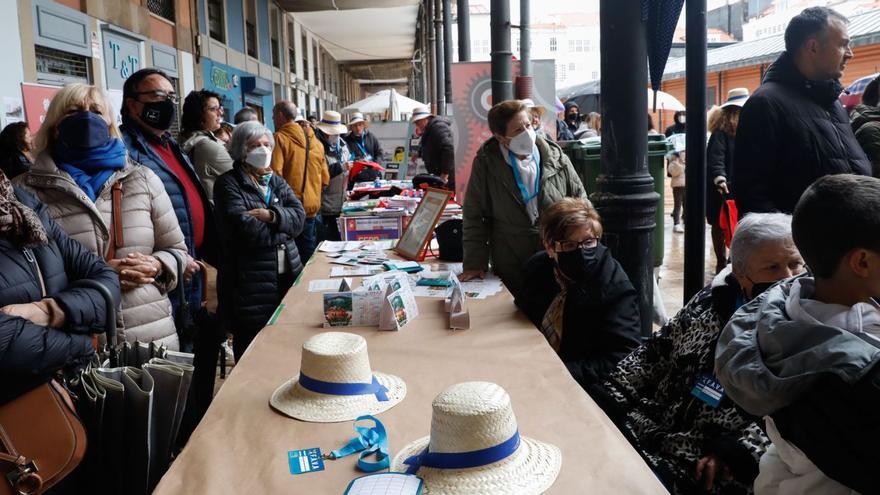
(332,388)
(462,460)
(370,441)
(331,122)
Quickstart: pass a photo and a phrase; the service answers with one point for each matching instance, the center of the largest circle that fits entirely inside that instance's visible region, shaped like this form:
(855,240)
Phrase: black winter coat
(14,163)
(600,321)
(719,162)
(835,425)
(791,132)
(366,144)
(252,287)
(30,353)
(437,148)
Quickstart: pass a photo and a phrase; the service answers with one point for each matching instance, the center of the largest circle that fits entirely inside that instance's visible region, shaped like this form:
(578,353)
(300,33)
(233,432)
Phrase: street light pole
(438,55)
(502,66)
(695,172)
(464,31)
(447,51)
(625,194)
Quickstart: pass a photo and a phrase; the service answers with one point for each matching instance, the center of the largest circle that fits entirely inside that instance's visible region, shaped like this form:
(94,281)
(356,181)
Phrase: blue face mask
(84,130)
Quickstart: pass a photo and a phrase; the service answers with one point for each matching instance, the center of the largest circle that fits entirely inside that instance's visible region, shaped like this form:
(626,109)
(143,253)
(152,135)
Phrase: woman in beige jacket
(202,117)
(80,159)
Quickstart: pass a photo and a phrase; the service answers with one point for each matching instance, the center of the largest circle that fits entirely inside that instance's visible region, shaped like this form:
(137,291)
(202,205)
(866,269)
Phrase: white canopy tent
(387,102)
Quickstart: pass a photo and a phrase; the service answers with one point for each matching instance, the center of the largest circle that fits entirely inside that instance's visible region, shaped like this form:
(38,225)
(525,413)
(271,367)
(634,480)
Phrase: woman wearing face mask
(663,396)
(200,129)
(117,209)
(678,127)
(515,176)
(258,216)
(578,295)
(329,130)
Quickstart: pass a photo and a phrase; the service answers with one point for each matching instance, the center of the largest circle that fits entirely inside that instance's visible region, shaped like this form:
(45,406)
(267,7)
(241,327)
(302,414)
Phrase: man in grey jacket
(804,355)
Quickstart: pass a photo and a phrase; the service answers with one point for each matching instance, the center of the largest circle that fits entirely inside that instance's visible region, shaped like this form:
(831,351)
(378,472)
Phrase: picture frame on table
(418,233)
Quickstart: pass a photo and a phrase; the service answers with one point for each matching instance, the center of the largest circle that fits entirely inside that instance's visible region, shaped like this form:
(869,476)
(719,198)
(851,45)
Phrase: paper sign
(354,308)
(305,461)
(327,285)
(456,306)
(354,271)
(385,484)
(399,308)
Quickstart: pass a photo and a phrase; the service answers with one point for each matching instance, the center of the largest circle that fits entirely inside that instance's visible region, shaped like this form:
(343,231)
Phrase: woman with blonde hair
(114,207)
(719,161)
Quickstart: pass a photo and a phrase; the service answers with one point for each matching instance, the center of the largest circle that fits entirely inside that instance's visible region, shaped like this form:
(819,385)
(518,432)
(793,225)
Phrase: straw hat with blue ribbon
(331,123)
(420,113)
(336,383)
(736,96)
(475,447)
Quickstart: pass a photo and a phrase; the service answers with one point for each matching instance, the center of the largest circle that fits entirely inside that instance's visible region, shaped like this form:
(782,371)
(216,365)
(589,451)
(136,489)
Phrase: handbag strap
(116,235)
(25,480)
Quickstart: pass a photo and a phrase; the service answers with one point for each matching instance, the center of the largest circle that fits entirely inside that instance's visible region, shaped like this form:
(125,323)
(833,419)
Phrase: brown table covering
(241,445)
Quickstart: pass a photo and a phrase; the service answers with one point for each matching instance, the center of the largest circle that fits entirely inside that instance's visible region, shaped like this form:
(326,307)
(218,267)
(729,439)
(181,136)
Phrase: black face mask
(572,117)
(581,264)
(758,288)
(158,114)
(83,130)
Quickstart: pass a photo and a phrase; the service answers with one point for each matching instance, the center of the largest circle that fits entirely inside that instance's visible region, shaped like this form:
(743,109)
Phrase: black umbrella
(661,17)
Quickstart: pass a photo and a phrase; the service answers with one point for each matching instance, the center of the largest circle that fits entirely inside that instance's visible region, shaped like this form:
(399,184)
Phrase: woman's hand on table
(471,274)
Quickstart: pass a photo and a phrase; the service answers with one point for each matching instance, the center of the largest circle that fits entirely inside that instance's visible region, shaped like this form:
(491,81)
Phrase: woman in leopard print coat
(700,445)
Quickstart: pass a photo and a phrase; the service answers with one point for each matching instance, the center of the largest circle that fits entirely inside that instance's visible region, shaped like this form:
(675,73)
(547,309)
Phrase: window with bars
(162,8)
(561,74)
(553,44)
(56,66)
(215,20)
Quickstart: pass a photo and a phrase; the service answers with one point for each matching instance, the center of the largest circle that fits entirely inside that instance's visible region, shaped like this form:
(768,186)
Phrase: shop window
(215,20)
(60,67)
(162,8)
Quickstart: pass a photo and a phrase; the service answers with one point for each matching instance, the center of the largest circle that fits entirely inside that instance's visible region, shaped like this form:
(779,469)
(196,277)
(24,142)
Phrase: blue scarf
(90,167)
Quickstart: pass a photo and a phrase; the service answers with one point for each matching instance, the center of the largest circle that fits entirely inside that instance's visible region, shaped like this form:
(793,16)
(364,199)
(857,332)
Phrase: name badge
(708,390)
(305,461)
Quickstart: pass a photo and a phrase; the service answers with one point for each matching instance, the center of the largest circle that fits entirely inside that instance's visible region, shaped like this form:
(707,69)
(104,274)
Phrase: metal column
(502,66)
(525,51)
(695,172)
(440,73)
(464,31)
(447,51)
(625,194)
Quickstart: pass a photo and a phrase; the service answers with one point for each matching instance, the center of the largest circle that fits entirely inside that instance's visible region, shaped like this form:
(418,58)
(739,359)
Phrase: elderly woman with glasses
(259,217)
(578,295)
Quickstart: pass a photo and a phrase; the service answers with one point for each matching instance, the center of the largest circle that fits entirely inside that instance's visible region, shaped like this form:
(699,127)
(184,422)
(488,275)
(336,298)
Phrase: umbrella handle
(110,313)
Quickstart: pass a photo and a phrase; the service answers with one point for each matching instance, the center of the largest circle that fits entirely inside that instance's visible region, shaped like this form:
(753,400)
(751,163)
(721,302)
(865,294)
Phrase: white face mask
(681,119)
(259,157)
(333,139)
(523,143)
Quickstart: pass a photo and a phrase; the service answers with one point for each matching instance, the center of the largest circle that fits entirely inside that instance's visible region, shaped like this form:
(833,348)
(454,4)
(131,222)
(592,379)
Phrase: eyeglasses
(565,246)
(215,109)
(161,95)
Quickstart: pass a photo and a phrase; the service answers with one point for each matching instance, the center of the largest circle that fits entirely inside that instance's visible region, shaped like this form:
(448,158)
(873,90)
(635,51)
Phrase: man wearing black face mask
(149,107)
(578,295)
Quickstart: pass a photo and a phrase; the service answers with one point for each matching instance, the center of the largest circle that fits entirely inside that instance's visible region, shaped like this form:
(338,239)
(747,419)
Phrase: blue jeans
(307,240)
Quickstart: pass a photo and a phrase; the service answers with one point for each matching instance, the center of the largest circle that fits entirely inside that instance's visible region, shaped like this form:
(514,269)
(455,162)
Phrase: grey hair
(243,135)
(756,229)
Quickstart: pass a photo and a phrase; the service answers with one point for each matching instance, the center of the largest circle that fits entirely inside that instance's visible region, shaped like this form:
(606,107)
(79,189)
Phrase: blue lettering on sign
(126,66)
(114,48)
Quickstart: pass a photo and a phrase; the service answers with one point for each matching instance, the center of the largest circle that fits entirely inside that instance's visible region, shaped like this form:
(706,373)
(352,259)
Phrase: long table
(241,445)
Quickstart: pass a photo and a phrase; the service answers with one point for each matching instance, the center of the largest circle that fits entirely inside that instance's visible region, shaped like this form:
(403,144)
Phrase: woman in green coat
(515,176)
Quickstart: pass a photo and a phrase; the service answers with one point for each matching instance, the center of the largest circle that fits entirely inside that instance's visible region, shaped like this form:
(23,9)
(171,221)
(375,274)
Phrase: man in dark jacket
(436,147)
(865,120)
(149,105)
(363,144)
(679,126)
(794,130)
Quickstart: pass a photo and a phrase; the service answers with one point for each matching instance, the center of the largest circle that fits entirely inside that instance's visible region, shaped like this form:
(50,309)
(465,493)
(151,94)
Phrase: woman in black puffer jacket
(258,216)
(45,326)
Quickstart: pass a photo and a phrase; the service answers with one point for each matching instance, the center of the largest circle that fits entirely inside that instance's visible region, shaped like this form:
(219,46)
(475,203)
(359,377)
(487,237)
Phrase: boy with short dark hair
(804,354)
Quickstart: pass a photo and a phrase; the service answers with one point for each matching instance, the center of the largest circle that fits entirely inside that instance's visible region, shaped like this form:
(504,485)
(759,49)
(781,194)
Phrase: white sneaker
(678,228)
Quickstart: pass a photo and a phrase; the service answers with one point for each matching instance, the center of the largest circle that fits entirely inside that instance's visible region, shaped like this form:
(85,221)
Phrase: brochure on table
(385,300)
(456,306)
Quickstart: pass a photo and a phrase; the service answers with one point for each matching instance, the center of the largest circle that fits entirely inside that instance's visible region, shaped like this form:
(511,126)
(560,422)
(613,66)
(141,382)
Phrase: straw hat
(299,117)
(356,118)
(420,113)
(471,417)
(331,123)
(336,382)
(736,96)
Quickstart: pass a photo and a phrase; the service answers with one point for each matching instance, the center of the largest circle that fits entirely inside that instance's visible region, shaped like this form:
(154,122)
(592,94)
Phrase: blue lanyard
(370,440)
(363,148)
(516,176)
(268,197)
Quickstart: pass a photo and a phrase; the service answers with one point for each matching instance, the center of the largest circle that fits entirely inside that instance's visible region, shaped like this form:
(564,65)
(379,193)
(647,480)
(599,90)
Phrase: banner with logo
(36,103)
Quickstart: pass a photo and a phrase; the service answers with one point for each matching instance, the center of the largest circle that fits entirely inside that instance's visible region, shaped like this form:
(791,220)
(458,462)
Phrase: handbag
(728,218)
(450,239)
(42,439)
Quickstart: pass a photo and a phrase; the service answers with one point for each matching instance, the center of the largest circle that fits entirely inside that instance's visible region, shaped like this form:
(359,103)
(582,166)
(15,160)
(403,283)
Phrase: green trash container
(585,159)
(658,147)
